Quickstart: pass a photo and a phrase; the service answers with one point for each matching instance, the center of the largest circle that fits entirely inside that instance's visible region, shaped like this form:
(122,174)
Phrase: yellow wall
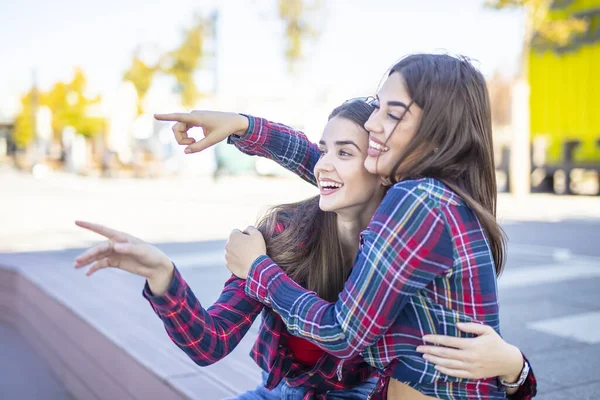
(565,92)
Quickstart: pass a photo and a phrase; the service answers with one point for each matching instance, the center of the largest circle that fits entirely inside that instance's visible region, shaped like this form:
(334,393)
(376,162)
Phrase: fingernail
(188,151)
(459,324)
(426,356)
(426,337)
(420,349)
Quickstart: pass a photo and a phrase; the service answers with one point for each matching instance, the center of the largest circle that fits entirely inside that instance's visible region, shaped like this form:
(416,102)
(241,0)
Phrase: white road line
(201,259)
(552,273)
(584,327)
(557,253)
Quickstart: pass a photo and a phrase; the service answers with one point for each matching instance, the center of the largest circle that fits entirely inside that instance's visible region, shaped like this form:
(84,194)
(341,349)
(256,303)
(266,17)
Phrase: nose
(324,164)
(373,124)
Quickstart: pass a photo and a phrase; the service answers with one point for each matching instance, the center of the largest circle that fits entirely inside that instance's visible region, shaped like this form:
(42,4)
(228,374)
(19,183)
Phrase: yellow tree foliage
(294,14)
(559,31)
(69,107)
(23,133)
(140,75)
(183,62)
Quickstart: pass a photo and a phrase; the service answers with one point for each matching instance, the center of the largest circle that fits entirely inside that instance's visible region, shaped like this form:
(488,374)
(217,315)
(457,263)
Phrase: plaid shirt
(207,336)
(424,264)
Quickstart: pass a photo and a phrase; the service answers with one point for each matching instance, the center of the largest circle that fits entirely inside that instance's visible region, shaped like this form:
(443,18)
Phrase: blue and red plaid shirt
(207,336)
(424,265)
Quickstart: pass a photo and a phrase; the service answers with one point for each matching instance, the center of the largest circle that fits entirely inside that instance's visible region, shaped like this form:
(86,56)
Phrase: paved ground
(549,293)
(25,367)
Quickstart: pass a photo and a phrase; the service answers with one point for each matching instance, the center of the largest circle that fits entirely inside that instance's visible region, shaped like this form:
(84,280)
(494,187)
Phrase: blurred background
(80,81)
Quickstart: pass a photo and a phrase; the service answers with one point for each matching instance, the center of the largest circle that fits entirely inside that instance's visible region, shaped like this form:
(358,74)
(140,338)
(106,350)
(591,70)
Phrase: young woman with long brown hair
(429,257)
(209,335)
(293,368)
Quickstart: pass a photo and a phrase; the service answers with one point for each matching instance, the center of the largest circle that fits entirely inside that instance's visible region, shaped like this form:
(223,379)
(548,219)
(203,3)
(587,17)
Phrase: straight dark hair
(453,142)
(303,239)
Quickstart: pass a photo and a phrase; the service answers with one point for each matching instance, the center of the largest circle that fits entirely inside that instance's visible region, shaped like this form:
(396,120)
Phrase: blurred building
(564,102)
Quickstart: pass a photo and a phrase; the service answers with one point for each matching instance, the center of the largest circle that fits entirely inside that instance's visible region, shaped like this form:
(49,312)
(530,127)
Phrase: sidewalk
(39,214)
(25,365)
(547,207)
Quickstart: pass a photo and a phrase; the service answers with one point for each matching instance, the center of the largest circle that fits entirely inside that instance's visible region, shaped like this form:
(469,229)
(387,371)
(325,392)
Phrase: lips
(329,186)
(376,147)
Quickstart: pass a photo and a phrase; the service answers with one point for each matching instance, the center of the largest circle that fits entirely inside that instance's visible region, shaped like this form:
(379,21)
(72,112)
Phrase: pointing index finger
(176,117)
(99,229)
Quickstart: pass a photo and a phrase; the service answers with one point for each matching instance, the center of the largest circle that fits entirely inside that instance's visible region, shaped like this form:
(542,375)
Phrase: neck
(351,223)
(349,230)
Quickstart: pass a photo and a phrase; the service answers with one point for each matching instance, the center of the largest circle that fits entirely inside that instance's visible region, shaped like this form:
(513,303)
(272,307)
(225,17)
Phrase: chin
(377,166)
(326,206)
(371,165)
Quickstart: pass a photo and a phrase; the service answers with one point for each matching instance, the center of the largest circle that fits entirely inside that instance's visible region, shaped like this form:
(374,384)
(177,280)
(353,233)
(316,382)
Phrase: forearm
(206,336)
(270,285)
(286,146)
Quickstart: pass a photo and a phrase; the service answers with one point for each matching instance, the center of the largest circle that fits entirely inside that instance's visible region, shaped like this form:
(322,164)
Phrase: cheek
(361,186)
(398,142)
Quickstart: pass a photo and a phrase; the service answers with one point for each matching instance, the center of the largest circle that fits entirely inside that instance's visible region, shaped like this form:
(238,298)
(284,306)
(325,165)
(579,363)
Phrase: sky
(358,40)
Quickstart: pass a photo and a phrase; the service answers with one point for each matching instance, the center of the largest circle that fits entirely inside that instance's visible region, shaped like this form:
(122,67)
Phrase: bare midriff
(400,391)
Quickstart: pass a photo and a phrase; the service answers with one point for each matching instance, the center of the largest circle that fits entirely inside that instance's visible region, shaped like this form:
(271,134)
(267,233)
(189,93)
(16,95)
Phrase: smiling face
(345,185)
(391,126)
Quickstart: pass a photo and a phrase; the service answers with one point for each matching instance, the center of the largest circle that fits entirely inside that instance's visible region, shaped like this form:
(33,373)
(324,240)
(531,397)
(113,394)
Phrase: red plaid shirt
(208,335)
(342,331)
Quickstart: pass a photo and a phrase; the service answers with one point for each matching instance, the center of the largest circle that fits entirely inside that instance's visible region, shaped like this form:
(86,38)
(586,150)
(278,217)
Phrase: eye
(322,152)
(394,117)
(344,153)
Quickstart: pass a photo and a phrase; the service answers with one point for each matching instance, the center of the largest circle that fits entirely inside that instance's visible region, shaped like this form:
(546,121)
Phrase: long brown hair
(453,142)
(308,248)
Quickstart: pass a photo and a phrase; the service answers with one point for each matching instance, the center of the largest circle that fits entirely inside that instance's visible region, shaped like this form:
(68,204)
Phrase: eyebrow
(395,103)
(342,143)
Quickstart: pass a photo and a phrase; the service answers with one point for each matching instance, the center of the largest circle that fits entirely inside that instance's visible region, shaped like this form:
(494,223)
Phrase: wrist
(515,365)
(242,125)
(160,281)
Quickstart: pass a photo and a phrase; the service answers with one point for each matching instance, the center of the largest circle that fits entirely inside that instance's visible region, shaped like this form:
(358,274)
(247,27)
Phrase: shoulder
(410,202)
(411,215)
(428,192)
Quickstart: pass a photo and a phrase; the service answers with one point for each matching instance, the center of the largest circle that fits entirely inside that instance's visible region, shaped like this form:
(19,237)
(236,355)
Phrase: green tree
(140,75)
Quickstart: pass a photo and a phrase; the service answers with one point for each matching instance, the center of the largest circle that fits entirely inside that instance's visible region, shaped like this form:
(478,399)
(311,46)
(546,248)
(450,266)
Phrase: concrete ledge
(89,365)
(103,343)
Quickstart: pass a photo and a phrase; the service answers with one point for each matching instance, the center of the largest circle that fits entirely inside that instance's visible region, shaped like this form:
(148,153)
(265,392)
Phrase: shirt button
(342,336)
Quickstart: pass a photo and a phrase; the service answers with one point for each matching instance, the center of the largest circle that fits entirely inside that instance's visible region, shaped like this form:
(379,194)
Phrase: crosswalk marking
(199,259)
(584,327)
(551,273)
